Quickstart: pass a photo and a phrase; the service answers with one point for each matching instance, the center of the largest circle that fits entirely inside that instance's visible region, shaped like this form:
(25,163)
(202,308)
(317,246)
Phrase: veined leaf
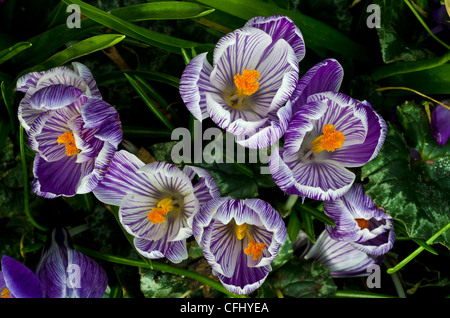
(414,192)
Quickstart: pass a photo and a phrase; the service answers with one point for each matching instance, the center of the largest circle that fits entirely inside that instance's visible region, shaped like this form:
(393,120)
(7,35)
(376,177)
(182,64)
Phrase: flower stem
(414,91)
(157,266)
(425,25)
(26,198)
(286,208)
(411,256)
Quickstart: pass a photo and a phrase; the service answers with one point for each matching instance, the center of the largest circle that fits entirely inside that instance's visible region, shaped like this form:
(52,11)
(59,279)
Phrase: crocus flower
(254,73)
(342,258)
(239,239)
(360,222)
(73,131)
(157,202)
(327,135)
(440,124)
(18,281)
(67,273)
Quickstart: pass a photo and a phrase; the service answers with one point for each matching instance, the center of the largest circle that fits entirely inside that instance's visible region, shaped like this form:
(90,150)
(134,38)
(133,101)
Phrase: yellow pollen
(362,223)
(253,249)
(5,293)
(156,215)
(68,139)
(247,83)
(330,140)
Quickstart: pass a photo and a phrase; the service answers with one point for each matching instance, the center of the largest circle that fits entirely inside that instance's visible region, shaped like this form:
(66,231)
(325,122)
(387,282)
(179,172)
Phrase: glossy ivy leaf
(160,285)
(398,41)
(410,177)
(299,278)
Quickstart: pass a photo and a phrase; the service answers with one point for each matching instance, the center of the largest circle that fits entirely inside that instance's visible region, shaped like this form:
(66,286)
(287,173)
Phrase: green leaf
(137,85)
(161,10)
(160,285)
(85,47)
(398,41)
(13,50)
(409,67)
(318,35)
(414,192)
(134,31)
(428,81)
(300,278)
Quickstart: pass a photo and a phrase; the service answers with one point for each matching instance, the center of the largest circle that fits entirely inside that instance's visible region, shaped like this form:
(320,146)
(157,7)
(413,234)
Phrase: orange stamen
(5,293)
(247,83)
(68,139)
(331,140)
(253,249)
(362,223)
(156,215)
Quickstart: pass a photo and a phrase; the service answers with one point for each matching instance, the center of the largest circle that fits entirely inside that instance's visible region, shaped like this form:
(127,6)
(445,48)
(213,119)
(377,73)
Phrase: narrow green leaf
(8,100)
(149,102)
(85,47)
(293,227)
(161,10)
(129,29)
(13,50)
(308,225)
(409,67)
(118,76)
(314,212)
(317,34)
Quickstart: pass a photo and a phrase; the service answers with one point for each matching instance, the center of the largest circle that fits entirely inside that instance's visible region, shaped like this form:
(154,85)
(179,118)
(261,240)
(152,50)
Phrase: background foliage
(137,51)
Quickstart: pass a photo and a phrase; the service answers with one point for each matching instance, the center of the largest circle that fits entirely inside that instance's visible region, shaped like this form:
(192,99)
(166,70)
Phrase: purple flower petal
(341,258)
(281,27)
(66,273)
(54,97)
(20,280)
(175,252)
(206,188)
(440,124)
(214,229)
(359,221)
(194,83)
(322,77)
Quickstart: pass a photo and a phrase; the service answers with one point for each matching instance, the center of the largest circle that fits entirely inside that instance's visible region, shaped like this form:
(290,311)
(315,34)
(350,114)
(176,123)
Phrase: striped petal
(20,280)
(325,76)
(281,27)
(175,252)
(341,258)
(206,188)
(54,97)
(195,83)
(66,273)
(215,230)
(376,237)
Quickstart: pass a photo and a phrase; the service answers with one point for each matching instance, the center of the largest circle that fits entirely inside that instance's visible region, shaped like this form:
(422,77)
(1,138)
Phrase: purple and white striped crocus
(327,135)
(440,123)
(239,239)
(73,131)
(67,273)
(18,281)
(360,222)
(157,201)
(254,73)
(341,258)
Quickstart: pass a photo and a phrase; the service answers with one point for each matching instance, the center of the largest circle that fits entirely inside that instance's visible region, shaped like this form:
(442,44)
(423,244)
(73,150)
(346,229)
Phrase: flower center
(246,85)
(68,139)
(330,140)
(253,249)
(156,215)
(5,293)
(362,223)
